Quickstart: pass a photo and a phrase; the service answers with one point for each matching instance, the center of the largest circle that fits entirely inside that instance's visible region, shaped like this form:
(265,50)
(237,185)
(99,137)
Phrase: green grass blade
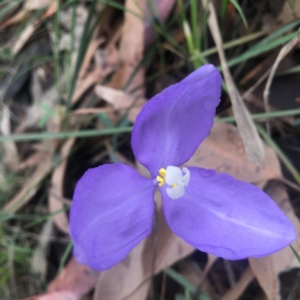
(195,23)
(264,48)
(282,30)
(64,257)
(295,253)
(85,39)
(181,280)
(187,285)
(224,5)
(264,116)
(63,135)
(240,11)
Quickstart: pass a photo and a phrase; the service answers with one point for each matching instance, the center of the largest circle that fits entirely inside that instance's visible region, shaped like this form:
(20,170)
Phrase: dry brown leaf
(210,261)
(73,282)
(290,12)
(223,150)
(56,194)
(31,27)
(37,4)
(51,10)
(89,55)
(267,269)
(236,291)
(90,80)
(253,144)
(32,161)
(30,186)
(128,276)
(62,295)
(121,101)
(18,17)
(91,110)
(21,15)
(131,49)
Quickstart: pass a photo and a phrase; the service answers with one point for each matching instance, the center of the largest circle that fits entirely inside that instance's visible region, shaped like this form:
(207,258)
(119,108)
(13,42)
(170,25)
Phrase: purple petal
(172,124)
(227,217)
(112,211)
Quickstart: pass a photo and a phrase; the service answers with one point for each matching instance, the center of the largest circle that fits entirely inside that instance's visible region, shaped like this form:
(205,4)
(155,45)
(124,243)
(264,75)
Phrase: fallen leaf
(56,194)
(106,62)
(75,277)
(129,75)
(74,281)
(31,27)
(128,276)
(51,10)
(267,269)
(89,55)
(30,186)
(236,291)
(37,4)
(121,101)
(32,161)
(63,295)
(91,110)
(18,17)
(89,81)
(289,12)
(131,49)
(223,150)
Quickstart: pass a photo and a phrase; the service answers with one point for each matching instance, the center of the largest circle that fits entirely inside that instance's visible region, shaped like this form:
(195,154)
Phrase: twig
(283,52)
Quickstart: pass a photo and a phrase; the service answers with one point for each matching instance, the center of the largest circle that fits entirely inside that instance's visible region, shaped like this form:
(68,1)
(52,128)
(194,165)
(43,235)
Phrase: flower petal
(172,124)
(112,211)
(227,217)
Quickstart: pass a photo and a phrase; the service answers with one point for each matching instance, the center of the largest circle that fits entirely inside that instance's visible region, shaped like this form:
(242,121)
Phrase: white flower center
(177,180)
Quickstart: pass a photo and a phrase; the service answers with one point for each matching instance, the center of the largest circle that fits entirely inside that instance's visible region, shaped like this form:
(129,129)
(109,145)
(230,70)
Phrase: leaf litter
(112,82)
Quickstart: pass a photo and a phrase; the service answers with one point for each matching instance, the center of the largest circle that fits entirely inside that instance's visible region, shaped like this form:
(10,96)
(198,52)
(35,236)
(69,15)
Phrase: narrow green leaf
(295,253)
(240,11)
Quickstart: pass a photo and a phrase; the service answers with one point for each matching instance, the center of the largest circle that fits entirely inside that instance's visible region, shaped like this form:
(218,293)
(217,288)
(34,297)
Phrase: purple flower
(113,207)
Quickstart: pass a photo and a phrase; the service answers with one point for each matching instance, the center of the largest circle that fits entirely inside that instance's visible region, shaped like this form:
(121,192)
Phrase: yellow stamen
(161,181)
(162,172)
(174,185)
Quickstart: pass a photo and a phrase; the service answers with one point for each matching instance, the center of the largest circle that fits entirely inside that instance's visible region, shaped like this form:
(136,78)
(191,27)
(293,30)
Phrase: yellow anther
(160,180)
(174,185)
(162,172)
